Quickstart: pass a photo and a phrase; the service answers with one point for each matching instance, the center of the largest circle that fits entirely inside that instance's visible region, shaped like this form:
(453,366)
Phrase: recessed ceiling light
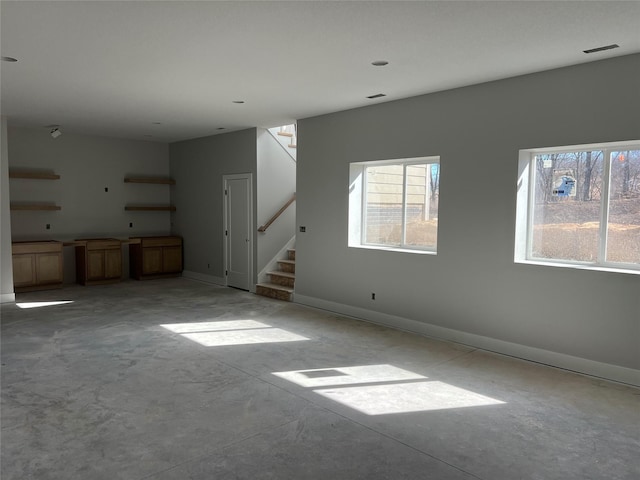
(9,59)
(238,101)
(600,49)
(377,95)
(379,63)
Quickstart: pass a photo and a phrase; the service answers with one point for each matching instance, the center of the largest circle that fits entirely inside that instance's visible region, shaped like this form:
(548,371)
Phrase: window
(394,204)
(580,206)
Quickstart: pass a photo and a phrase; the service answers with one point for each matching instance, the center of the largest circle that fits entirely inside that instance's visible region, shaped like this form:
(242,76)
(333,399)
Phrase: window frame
(527,180)
(358,240)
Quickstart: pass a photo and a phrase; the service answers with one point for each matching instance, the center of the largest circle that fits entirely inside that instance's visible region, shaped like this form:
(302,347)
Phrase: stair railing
(264,227)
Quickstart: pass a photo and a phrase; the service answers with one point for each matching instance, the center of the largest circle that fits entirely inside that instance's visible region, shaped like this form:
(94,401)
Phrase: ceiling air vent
(600,49)
(377,95)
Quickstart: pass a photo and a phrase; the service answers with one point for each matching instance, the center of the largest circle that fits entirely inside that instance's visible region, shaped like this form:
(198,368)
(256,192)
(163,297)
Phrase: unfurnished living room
(309,240)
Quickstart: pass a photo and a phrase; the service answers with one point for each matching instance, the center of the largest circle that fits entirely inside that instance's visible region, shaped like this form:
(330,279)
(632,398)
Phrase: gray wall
(276,185)
(86,165)
(6,265)
(472,285)
(198,166)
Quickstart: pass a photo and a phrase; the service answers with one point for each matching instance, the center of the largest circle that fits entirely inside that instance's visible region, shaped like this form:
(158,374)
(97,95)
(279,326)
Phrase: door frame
(225,206)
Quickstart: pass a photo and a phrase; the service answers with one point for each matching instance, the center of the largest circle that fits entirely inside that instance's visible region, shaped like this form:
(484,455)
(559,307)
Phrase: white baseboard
(201,277)
(575,364)
(7,297)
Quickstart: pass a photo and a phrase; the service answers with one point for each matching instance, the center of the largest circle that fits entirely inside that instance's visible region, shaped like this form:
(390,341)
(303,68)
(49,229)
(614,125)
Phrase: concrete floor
(236,386)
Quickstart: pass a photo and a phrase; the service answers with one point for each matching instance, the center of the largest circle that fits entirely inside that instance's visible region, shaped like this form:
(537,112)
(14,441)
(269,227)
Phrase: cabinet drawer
(161,242)
(103,244)
(36,247)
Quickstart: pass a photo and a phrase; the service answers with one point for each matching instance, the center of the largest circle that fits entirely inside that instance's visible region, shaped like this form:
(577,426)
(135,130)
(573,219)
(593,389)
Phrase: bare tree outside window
(569,207)
(623,229)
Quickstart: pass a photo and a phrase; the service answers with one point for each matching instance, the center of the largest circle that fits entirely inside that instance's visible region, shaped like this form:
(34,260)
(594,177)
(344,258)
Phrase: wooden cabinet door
(151,260)
(48,268)
(171,259)
(95,264)
(24,270)
(113,263)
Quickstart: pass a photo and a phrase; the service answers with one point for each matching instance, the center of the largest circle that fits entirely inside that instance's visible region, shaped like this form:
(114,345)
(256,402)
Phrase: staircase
(286,136)
(291,144)
(280,285)
(277,278)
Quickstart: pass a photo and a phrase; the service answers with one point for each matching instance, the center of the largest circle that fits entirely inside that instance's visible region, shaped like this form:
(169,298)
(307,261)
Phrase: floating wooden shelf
(33,175)
(158,180)
(159,208)
(34,206)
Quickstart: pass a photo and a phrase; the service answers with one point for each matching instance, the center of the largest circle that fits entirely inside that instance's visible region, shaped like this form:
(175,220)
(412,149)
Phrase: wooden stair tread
(285,134)
(282,274)
(290,262)
(275,286)
(291,145)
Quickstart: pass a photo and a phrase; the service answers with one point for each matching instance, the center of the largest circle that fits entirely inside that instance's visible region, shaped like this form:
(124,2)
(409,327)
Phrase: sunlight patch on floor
(406,397)
(236,332)
(348,375)
(385,389)
(41,304)
(214,326)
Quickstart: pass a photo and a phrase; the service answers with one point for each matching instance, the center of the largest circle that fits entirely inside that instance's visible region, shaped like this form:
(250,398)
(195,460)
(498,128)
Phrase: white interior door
(238,231)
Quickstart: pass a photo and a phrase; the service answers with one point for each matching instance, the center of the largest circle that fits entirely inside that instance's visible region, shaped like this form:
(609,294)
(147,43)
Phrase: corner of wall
(6,265)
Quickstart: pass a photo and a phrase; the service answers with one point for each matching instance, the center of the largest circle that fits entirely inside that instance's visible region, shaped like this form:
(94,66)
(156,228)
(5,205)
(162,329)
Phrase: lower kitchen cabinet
(98,261)
(155,257)
(37,265)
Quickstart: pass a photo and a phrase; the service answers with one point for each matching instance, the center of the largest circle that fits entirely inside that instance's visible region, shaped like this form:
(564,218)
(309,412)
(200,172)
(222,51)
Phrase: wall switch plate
(303,229)
(106,189)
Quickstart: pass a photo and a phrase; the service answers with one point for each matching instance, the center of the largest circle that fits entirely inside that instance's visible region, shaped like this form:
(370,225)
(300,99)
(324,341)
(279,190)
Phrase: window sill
(579,266)
(395,249)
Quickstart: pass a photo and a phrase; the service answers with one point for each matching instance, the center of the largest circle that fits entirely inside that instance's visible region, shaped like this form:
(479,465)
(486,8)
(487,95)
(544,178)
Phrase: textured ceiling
(116,68)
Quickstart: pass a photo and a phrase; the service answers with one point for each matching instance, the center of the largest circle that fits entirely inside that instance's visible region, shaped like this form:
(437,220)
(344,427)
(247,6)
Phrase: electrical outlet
(208,265)
(373,296)
(303,229)
(106,189)
(48,226)
(130,224)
